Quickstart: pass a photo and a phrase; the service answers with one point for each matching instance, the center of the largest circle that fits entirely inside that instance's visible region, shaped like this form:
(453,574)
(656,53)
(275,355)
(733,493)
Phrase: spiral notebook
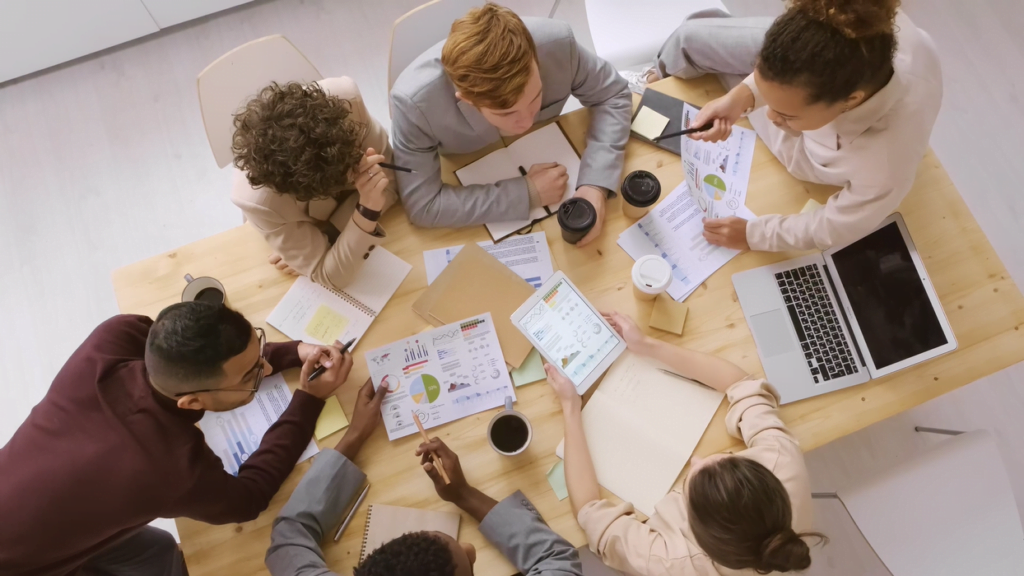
(319,315)
(385,523)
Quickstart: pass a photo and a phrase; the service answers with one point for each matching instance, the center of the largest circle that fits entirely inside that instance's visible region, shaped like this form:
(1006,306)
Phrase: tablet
(569,332)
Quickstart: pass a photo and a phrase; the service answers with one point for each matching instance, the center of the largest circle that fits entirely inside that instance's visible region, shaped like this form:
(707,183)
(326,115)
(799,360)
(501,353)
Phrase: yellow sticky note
(326,325)
(668,315)
(331,419)
(811,206)
(649,123)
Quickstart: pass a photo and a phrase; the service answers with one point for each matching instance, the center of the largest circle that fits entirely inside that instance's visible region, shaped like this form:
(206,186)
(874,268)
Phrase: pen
(320,371)
(351,513)
(394,167)
(434,457)
(522,171)
(703,128)
(670,373)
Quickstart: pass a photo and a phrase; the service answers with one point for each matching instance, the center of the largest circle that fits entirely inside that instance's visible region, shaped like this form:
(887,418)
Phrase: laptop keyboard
(820,331)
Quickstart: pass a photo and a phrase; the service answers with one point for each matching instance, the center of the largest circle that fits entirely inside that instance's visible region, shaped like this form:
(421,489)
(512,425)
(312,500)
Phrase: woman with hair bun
(734,514)
(843,92)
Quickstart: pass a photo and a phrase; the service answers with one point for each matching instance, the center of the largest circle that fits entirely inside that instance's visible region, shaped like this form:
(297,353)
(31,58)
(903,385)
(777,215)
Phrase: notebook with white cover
(385,523)
(319,315)
(546,145)
(642,426)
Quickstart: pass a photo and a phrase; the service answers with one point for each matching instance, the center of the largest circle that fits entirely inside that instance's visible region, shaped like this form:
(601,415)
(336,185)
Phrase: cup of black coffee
(203,289)
(640,190)
(576,217)
(509,431)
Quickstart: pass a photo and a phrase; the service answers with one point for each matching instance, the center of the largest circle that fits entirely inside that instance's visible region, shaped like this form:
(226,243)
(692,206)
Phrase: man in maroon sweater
(113,444)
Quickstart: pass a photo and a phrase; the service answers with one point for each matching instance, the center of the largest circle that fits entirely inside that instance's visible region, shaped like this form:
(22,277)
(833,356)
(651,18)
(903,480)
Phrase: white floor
(103,162)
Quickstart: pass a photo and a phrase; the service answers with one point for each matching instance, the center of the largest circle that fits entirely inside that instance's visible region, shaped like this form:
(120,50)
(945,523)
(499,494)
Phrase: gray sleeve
(600,88)
(515,528)
(315,507)
(433,204)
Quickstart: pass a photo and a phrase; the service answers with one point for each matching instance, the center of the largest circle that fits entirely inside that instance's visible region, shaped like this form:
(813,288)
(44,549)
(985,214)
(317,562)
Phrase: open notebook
(642,426)
(548,144)
(318,315)
(385,523)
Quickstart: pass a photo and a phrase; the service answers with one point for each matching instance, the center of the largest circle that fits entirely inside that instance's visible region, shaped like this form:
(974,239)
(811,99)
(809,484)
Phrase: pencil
(393,167)
(703,128)
(351,513)
(434,457)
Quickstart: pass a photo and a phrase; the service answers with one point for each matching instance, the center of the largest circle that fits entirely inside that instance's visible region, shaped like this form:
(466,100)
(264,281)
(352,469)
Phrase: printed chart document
(674,231)
(236,434)
(319,315)
(527,255)
(718,173)
(546,145)
(642,426)
(441,375)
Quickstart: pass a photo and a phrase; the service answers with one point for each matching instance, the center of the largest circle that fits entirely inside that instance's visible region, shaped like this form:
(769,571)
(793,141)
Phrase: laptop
(836,319)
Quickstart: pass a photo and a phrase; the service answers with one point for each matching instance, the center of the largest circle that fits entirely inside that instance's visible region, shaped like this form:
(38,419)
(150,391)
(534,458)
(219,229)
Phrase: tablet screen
(570,333)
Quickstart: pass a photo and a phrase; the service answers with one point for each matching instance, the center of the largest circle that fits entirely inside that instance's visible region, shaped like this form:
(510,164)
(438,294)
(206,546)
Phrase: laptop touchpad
(773,332)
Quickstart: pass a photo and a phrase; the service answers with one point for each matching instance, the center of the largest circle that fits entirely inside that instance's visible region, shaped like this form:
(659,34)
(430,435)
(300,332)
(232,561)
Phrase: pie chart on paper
(424,389)
(714,187)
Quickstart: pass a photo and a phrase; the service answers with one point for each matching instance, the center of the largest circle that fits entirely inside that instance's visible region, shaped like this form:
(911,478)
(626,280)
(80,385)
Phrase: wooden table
(984,307)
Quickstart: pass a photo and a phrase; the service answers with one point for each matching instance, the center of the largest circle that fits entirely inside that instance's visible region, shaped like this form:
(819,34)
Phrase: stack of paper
(674,231)
(527,255)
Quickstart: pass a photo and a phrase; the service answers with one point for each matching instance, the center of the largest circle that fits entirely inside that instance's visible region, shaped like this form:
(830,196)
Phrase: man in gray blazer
(512,525)
(497,75)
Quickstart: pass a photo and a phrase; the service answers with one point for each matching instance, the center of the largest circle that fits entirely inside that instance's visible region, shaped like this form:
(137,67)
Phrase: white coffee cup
(204,289)
(652,275)
(509,432)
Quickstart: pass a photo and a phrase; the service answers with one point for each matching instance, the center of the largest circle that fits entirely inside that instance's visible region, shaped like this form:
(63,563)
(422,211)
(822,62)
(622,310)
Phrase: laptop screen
(888,297)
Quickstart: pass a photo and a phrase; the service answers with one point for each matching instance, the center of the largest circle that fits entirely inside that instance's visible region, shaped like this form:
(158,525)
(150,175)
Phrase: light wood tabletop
(983,304)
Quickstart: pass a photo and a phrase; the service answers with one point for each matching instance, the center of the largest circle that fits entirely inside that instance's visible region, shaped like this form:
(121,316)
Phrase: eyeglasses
(258,367)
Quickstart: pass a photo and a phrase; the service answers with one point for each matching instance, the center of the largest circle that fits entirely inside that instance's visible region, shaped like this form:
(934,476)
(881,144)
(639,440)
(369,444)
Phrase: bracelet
(371,215)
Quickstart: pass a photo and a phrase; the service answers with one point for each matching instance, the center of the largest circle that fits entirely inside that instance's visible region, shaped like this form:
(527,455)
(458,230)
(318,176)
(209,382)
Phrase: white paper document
(527,255)
(642,426)
(234,435)
(718,173)
(546,145)
(440,375)
(674,231)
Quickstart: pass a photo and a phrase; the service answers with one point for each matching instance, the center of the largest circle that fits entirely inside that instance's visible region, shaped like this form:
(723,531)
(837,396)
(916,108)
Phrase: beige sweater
(295,230)
(665,545)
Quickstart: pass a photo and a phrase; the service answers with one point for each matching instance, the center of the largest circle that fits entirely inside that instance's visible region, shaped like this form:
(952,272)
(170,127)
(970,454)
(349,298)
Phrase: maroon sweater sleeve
(283,355)
(218,497)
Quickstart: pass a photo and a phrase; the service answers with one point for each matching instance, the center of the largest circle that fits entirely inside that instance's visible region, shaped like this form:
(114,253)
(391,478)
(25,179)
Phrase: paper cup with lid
(652,275)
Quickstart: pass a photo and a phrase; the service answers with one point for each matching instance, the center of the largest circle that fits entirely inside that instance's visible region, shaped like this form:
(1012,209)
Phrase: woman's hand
(564,389)
(370,180)
(635,339)
(722,112)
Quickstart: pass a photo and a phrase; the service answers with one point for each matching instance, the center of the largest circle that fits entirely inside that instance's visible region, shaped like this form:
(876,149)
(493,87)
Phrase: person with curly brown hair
(843,92)
(308,177)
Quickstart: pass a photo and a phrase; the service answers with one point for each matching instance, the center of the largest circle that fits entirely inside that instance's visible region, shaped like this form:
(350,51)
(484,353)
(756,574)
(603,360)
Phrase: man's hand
(370,180)
(365,418)
(597,197)
(458,492)
(278,262)
(729,232)
(338,366)
(550,181)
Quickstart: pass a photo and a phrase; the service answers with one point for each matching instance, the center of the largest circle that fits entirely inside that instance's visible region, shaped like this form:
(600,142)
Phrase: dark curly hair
(413,554)
(831,48)
(298,140)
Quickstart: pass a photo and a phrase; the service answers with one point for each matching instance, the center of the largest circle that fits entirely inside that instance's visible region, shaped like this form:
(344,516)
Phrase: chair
(949,511)
(226,84)
(420,29)
(629,34)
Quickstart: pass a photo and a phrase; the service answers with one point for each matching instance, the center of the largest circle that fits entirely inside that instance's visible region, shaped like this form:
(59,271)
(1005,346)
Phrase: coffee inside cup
(211,295)
(509,433)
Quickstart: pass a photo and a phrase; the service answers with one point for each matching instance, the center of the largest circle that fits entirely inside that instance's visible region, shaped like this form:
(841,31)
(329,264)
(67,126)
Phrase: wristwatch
(371,215)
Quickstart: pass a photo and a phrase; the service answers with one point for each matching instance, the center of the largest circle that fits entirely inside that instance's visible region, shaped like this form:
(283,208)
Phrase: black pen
(522,171)
(393,167)
(703,128)
(320,371)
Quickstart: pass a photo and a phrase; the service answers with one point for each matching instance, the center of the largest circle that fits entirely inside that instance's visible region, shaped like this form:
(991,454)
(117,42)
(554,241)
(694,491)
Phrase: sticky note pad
(668,315)
(556,477)
(649,123)
(331,419)
(811,206)
(326,325)
(530,371)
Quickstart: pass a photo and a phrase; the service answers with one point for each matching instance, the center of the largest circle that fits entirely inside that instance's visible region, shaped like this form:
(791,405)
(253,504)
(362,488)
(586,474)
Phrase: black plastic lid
(641,188)
(577,214)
